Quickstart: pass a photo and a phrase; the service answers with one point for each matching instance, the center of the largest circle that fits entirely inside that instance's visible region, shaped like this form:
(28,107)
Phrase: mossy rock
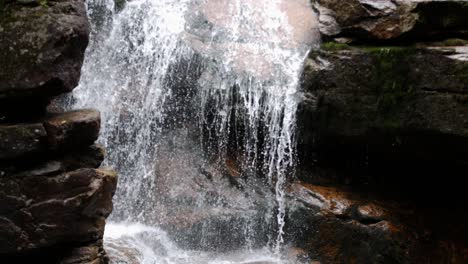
(362,89)
(334,46)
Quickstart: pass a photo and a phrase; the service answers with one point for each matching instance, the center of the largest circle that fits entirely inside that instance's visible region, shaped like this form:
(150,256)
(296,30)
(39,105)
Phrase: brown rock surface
(73,129)
(44,211)
(385,20)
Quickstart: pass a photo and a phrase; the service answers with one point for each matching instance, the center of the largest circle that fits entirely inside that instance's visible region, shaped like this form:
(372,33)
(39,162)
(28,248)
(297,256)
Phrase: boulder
(44,211)
(385,20)
(42,47)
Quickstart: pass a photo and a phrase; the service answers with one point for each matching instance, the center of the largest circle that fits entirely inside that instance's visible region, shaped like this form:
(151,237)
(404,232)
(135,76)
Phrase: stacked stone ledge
(54,198)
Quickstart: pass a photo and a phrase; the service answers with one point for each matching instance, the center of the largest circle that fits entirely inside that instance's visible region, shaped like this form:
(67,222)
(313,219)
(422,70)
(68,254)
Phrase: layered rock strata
(54,198)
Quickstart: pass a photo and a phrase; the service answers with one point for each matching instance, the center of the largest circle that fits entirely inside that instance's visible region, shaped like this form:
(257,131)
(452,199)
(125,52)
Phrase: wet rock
(123,251)
(89,254)
(383,99)
(45,211)
(73,129)
(42,48)
(53,199)
(22,139)
(88,157)
(371,228)
(370,213)
(392,20)
(343,236)
(77,129)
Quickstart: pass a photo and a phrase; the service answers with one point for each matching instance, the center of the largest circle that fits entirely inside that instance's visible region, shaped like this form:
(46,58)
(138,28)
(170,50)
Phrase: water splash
(138,244)
(199,101)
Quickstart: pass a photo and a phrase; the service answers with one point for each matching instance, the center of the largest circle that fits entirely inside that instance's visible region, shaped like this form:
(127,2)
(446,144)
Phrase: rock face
(385,118)
(54,199)
(41,51)
(42,47)
(338,227)
(390,20)
(341,225)
(363,94)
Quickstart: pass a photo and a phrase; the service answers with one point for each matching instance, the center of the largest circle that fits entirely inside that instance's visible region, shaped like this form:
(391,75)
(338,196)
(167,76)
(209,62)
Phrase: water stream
(198,100)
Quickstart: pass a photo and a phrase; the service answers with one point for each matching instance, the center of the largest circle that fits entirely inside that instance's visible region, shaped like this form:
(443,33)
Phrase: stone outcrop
(383,132)
(388,96)
(54,198)
(42,47)
(392,20)
(41,51)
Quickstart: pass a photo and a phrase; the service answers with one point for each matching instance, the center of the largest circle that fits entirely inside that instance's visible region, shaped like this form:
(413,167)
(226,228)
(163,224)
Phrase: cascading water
(199,101)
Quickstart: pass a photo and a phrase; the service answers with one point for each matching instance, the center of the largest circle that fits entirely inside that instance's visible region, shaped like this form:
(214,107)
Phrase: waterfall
(199,100)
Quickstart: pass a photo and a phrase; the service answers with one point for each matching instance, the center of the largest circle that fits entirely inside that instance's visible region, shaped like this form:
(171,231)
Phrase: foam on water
(135,243)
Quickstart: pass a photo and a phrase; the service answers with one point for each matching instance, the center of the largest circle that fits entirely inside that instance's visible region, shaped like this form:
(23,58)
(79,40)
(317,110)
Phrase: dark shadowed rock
(45,211)
(344,225)
(324,221)
(21,139)
(87,157)
(77,129)
(42,47)
(73,129)
(53,200)
(381,97)
(89,254)
(81,253)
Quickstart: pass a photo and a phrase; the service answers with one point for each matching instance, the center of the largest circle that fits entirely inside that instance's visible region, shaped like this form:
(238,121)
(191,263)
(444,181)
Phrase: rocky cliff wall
(384,134)
(54,198)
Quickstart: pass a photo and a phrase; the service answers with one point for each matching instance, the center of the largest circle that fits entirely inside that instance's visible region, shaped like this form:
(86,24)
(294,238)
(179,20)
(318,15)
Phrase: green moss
(334,46)
(390,82)
(43,3)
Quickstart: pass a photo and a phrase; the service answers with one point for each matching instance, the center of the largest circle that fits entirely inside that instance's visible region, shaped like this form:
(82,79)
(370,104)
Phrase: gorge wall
(382,144)
(54,198)
(384,134)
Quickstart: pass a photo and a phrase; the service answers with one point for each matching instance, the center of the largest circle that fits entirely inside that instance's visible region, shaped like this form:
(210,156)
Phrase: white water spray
(157,70)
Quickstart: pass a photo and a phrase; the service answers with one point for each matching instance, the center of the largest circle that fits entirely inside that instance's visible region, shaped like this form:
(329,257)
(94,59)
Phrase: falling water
(199,101)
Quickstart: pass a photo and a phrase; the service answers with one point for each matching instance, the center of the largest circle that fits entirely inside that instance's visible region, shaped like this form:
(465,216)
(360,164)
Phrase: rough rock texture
(41,210)
(342,225)
(54,199)
(390,19)
(73,129)
(41,54)
(42,47)
(60,131)
(367,93)
(402,108)
(337,228)
(384,125)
